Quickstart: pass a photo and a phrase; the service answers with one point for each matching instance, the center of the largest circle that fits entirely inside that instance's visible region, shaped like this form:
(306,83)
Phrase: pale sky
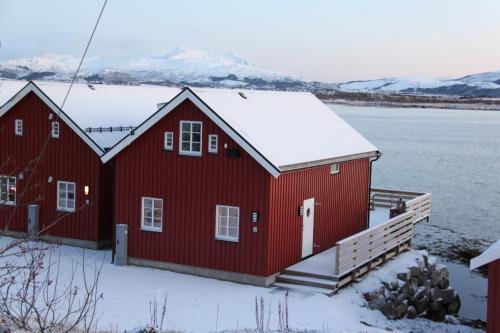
(325,40)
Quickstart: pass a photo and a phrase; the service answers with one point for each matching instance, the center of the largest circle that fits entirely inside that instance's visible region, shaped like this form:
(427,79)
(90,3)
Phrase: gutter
(377,156)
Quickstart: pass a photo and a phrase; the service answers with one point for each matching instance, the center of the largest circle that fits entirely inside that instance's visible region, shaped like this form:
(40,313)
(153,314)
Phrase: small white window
(169,141)
(66,196)
(227,223)
(212,143)
(334,168)
(190,138)
(152,214)
(19,127)
(7,190)
(55,130)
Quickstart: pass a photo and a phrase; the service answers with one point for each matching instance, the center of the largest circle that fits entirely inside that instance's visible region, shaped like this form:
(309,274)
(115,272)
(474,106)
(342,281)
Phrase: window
(190,142)
(66,196)
(152,214)
(7,190)
(212,143)
(227,224)
(334,168)
(169,141)
(18,127)
(55,129)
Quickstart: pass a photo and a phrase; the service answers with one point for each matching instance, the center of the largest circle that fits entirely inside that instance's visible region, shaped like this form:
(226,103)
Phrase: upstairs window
(168,143)
(152,214)
(18,127)
(7,190)
(55,130)
(212,143)
(66,196)
(334,168)
(190,141)
(227,223)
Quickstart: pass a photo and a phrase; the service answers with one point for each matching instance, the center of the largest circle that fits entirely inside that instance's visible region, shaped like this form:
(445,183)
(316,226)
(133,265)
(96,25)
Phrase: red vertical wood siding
(68,158)
(493,315)
(340,211)
(191,187)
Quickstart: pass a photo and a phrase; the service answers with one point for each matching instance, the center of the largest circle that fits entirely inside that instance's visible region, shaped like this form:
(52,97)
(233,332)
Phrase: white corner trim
(31,87)
(187,94)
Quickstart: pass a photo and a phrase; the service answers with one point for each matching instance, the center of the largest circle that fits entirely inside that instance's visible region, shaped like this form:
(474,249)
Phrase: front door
(308,228)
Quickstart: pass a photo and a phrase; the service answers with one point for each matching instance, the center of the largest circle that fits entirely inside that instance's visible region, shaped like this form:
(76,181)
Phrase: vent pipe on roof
(160,105)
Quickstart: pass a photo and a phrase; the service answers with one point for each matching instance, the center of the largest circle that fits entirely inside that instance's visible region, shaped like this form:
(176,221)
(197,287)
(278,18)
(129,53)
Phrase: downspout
(377,156)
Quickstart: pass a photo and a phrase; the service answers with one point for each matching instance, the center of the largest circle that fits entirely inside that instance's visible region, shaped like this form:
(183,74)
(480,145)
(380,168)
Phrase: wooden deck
(356,255)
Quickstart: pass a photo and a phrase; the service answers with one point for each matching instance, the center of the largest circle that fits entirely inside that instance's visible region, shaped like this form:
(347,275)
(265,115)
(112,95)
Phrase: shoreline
(453,106)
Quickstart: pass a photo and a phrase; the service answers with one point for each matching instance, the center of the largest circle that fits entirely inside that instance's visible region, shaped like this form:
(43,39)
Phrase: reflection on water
(454,154)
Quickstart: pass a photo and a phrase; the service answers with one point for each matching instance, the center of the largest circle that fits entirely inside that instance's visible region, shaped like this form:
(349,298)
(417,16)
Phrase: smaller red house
(491,257)
(239,185)
(48,159)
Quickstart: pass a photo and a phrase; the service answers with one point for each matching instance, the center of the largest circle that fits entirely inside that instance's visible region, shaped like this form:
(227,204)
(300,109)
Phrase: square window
(334,168)
(227,223)
(191,138)
(66,196)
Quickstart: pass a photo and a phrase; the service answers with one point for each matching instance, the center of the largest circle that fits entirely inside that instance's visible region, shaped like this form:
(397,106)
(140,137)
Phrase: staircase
(306,282)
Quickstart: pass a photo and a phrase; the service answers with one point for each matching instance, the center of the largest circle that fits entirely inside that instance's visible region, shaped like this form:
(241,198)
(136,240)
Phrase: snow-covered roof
(101,106)
(281,130)
(488,256)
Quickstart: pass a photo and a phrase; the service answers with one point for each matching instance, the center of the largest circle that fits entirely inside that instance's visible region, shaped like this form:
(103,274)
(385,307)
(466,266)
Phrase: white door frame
(308,227)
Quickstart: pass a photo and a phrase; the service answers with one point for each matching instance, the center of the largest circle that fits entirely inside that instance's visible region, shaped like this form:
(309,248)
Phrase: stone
(438,274)
(421,291)
(437,304)
(411,313)
(421,263)
(389,310)
(400,299)
(401,309)
(423,277)
(437,315)
(451,320)
(446,294)
(425,256)
(454,306)
(370,296)
(404,276)
(444,284)
(377,303)
(406,289)
(421,304)
(414,271)
(393,295)
(414,285)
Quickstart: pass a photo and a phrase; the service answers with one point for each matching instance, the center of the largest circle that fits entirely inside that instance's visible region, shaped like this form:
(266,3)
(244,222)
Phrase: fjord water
(455,155)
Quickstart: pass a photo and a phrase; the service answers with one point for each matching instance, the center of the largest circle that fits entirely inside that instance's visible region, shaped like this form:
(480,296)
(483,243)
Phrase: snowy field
(196,304)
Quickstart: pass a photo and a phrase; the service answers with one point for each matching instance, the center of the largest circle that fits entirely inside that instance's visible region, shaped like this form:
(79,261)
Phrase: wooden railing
(419,202)
(364,247)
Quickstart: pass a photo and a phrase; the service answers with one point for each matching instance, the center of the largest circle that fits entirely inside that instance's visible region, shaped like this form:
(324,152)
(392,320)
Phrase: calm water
(455,155)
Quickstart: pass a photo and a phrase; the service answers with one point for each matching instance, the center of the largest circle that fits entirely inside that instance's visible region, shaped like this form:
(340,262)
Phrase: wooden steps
(306,282)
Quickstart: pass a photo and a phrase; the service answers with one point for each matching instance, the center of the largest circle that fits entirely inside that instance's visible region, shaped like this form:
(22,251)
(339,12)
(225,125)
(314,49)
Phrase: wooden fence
(419,202)
(363,248)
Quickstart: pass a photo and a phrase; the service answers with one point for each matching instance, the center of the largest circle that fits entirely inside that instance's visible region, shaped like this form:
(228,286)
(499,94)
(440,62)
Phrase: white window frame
(168,141)
(65,208)
(151,227)
(18,127)
(11,182)
(190,152)
(226,237)
(213,143)
(56,130)
(334,168)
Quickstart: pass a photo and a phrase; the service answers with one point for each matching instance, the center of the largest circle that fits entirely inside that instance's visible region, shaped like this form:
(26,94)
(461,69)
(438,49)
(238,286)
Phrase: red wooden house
(239,185)
(491,257)
(70,184)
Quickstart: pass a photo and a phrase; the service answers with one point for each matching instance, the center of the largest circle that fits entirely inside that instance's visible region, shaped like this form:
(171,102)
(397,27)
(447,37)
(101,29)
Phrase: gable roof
(491,254)
(280,130)
(102,106)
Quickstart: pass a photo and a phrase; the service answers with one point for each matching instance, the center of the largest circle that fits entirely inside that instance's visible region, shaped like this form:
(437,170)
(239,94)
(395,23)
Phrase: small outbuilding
(52,180)
(239,185)
(491,257)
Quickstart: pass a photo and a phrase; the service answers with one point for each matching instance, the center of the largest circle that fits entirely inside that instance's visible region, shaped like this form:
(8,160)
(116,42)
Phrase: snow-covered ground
(196,304)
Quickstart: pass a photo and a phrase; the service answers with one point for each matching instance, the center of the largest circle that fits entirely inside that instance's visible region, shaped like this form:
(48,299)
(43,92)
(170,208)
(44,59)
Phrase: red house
(69,183)
(491,257)
(239,185)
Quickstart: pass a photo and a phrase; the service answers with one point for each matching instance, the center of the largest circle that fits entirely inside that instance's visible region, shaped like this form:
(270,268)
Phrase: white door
(308,228)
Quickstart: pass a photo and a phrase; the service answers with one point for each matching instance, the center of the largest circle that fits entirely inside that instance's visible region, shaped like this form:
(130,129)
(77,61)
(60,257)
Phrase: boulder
(437,315)
(454,306)
(411,313)
(405,276)
(438,274)
(444,284)
(437,305)
(389,310)
(451,320)
(401,309)
(447,295)
(377,303)
(415,271)
(370,296)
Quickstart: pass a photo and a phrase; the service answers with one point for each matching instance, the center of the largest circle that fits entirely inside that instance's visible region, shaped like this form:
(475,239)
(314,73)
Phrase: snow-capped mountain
(182,66)
(186,66)
(477,85)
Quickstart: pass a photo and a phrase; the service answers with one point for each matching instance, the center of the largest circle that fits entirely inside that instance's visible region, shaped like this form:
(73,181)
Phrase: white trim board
(187,94)
(32,87)
(488,256)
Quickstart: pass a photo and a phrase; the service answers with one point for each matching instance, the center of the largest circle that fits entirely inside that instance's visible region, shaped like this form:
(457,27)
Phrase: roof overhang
(346,158)
(32,87)
(188,94)
(488,256)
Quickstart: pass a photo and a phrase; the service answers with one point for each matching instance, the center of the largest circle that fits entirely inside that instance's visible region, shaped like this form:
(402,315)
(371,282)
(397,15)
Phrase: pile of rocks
(422,290)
